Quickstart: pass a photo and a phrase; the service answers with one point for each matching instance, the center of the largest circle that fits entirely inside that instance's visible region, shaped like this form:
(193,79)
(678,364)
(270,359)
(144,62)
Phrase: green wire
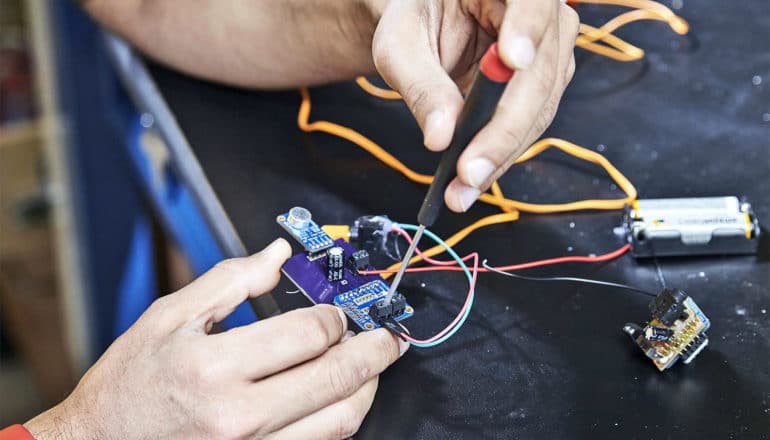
(461,263)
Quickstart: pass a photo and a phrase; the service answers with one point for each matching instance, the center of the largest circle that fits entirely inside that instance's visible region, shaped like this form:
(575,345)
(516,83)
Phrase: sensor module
(691,226)
(323,277)
(364,306)
(677,329)
(299,223)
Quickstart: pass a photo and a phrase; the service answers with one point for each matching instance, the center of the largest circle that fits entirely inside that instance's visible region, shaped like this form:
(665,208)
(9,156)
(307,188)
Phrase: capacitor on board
(335,263)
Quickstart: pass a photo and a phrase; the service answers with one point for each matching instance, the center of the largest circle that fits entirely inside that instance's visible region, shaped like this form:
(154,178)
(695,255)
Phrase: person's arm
(297,375)
(427,50)
(263,44)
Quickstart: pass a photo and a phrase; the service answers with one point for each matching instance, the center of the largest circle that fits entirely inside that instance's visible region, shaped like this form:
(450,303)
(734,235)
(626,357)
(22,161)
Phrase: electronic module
(299,223)
(691,226)
(676,331)
(328,273)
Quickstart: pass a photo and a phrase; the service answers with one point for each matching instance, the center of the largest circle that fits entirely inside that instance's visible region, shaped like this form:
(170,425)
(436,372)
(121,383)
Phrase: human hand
(297,375)
(428,50)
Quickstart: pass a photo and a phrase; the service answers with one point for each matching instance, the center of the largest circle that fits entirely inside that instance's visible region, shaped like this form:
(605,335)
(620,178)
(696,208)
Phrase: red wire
(451,325)
(441,264)
(408,238)
(451,266)
(528,265)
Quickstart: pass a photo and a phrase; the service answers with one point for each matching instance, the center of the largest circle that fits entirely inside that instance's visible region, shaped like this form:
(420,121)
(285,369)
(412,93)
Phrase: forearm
(64,423)
(259,43)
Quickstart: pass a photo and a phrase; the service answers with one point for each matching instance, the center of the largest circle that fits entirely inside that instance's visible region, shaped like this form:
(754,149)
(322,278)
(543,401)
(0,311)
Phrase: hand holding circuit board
(337,270)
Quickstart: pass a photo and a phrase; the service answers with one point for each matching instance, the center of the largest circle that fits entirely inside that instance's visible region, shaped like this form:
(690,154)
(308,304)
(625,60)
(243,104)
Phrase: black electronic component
(384,310)
(696,346)
(370,232)
(668,306)
(334,262)
(676,331)
(658,333)
(359,260)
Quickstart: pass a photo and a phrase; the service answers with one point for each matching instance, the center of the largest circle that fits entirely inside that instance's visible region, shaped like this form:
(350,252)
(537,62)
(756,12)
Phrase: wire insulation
(458,264)
(599,40)
(462,316)
(590,38)
(496,198)
(609,256)
(569,279)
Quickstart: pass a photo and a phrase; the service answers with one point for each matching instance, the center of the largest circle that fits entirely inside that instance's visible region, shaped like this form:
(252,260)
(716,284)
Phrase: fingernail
(272,245)
(433,127)
(478,171)
(521,52)
(347,335)
(467,196)
(403,346)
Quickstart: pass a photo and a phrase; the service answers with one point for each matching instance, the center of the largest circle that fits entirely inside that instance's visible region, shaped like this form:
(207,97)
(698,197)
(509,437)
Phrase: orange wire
(519,266)
(615,47)
(590,39)
(377,91)
(540,146)
(678,24)
(496,198)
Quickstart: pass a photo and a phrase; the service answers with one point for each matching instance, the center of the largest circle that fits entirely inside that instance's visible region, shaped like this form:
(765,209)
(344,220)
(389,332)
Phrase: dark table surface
(541,360)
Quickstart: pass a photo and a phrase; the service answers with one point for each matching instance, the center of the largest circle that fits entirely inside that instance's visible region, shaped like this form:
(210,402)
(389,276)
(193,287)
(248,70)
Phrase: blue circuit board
(354,293)
(311,236)
(356,302)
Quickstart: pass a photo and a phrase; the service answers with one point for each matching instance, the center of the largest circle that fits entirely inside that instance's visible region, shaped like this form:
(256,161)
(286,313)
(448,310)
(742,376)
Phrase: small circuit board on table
(676,331)
(331,275)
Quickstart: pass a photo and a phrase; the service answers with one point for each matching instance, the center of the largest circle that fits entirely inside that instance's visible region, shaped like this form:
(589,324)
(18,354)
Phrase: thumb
(224,287)
(406,56)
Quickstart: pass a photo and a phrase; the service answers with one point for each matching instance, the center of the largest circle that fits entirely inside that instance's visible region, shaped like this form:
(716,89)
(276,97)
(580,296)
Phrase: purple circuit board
(354,293)
(310,276)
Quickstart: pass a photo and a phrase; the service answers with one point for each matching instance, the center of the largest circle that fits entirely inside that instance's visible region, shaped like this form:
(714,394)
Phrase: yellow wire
(377,91)
(496,198)
(460,235)
(498,193)
(615,47)
(355,137)
(388,159)
(625,51)
(589,38)
(678,24)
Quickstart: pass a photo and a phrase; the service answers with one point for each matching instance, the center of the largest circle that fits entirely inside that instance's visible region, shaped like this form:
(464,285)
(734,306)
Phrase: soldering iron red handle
(480,104)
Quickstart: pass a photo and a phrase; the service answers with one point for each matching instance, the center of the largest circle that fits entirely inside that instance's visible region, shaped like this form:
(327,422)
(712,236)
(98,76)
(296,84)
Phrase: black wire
(658,268)
(659,271)
(570,279)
